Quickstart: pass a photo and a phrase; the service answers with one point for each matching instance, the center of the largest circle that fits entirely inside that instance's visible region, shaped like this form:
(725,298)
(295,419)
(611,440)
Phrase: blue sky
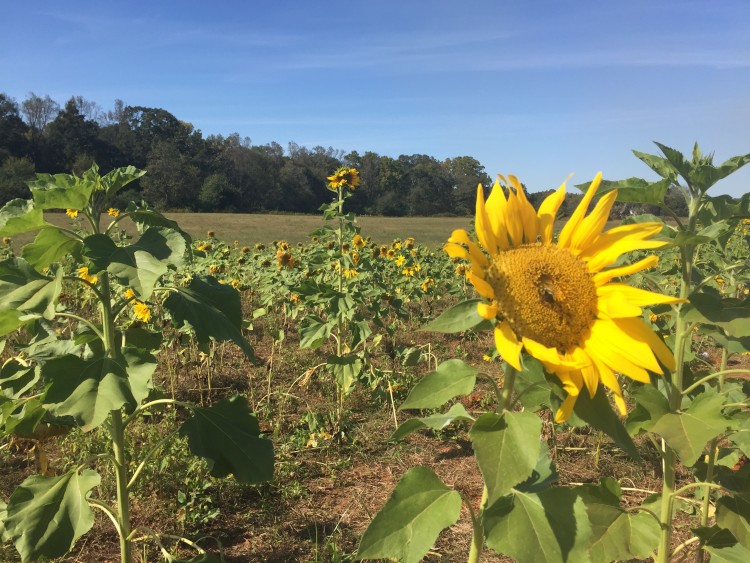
(539,89)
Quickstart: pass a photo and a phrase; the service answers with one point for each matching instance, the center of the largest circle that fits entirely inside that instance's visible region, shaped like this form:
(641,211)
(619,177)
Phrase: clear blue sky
(536,88)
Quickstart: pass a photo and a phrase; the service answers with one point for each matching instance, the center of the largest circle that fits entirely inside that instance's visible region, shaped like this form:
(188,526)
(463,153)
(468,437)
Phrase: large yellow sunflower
(558,301)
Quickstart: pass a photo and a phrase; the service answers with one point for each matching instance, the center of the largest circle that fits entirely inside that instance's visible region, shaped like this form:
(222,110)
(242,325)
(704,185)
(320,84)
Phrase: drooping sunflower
(557,301)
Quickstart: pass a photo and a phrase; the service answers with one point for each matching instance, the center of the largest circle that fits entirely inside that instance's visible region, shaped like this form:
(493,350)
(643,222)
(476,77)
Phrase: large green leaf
(658,164)
(134,266)
(636,190)
(650,406)
(211,310)
(532,386)
(61,191)
(733,513)
(49,246)
(88,389)
(16,378)
(459,318)
(598,413)
(507,449)
(727,313)
(616,533)
(346,369)
(420,507)
(314,332)
(551,526)
(46,515)
(433,422)
(20,216)
(114,180)
(25,295)
(734,554)
(688,431)
(228,436)
(451,379)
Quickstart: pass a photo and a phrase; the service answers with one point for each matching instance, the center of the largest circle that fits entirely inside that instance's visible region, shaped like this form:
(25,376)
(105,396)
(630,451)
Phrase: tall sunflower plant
(77,313)
(580,340)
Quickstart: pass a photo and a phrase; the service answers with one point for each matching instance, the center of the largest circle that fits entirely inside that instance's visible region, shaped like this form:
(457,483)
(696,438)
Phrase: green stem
(510,380)
(682,339)
(477,537)
(121,476)
(712,453)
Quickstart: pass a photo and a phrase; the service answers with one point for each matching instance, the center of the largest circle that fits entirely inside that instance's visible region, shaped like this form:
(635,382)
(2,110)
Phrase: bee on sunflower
(557,300)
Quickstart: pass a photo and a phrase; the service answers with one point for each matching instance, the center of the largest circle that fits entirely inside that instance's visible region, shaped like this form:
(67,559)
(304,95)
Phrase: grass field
(251,228)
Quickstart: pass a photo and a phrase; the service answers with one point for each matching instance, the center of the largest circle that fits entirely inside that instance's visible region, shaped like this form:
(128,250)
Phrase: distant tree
(39,111)
(218,194)
(172,181)
(13,138)
(430,186)
(467,173)
(393,188)
(71,139)
(14,174)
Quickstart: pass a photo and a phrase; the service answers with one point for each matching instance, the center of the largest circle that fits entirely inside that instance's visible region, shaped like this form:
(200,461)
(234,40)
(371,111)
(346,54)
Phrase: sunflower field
(534,390)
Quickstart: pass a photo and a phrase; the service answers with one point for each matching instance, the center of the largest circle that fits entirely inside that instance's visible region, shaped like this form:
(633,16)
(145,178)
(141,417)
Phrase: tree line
(187,171)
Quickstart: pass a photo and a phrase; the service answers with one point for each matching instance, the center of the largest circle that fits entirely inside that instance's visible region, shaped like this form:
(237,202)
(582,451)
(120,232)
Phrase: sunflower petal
(507,344)
(548,213)
(620,351)
(482,224)
(566,235)
(638,329)
(551,356)
(487,310)
(483,288)
(496,205)
(605,276)
(593,225)
(637,297)
(528,216)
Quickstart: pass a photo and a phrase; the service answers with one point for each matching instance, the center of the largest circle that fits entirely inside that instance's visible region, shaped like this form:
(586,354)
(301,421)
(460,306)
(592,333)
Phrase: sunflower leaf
(598,413)
(459,318)
(733,513)
(20,216)
(507,449)
(46,515)
(227,434)
(451,379)
(49,246)
(434,422)
(617,534)
(420,507)
(688,431)
(549,526)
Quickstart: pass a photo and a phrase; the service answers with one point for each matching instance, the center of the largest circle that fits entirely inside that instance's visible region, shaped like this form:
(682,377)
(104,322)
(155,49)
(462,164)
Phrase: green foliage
(419,508)
(228,436)
(40,501)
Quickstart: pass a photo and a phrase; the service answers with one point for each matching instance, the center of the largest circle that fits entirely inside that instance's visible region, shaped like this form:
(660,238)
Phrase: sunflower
(557,301)
(113,212)
(343,177)
(142,312)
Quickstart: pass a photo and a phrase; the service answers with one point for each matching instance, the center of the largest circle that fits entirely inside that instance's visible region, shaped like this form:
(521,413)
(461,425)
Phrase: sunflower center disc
(545,293)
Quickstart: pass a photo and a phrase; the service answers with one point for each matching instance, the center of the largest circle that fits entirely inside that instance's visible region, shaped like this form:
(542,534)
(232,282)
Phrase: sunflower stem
(477,537)
(682,339)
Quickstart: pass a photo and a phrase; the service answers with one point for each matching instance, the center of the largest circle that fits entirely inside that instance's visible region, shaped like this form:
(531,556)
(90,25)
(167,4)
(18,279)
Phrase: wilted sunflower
(557,301)
(357,241)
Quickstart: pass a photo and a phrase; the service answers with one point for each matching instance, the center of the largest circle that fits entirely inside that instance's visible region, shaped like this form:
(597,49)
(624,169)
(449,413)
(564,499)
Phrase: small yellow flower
(142,312)
(383,250)
(258,246)
(113,212)
(427,284)
(235,283)
(391,254)
(487,358)
(355,258)
(211,234)
(345,247)
(7,241)
(408,272)
(400,260)
(72,213)
(129,293)
(83,273)
(653,317)
(350,273)
(358,241)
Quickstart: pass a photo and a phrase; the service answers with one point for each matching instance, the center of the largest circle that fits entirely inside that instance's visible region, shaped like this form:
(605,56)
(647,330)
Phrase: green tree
(172,180)
(218,194)
(14,174)
(467,173)
(13,131)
